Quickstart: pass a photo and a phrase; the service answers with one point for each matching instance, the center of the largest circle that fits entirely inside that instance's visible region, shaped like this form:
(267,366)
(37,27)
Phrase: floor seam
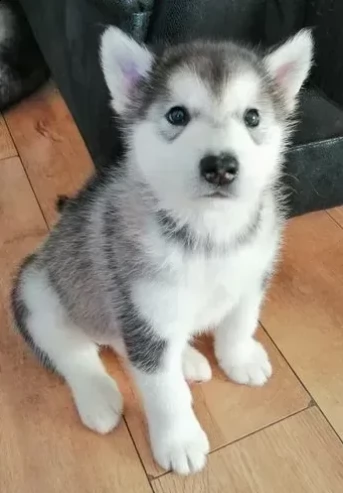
(334,219)
(313,401)
(263,428)
(138,454)
(27,174)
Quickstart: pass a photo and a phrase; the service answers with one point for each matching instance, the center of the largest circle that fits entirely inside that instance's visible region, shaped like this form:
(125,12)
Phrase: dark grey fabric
(68,32)
(22,67)
(183,20)
(327,17)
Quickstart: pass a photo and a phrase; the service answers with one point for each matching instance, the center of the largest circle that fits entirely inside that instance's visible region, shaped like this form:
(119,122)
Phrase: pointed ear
(124,62)
(290,64)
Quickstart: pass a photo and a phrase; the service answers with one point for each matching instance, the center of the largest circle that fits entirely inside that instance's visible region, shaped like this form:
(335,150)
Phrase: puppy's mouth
(217,194)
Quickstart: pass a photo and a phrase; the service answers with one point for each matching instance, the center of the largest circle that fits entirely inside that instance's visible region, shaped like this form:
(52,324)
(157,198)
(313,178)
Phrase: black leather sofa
(67,32)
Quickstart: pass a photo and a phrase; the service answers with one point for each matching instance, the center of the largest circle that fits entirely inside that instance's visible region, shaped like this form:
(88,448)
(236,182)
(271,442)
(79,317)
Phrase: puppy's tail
(61,202)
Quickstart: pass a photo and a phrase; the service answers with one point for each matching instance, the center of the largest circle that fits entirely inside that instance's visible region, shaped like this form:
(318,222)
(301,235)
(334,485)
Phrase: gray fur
(144,347)
(91,258)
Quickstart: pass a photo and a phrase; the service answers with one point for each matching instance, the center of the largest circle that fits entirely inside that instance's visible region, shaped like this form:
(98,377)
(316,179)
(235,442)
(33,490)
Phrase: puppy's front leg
(177,439)
(241,357)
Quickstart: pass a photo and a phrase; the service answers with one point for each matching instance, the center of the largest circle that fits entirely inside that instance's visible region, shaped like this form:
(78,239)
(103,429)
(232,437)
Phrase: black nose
(219,170)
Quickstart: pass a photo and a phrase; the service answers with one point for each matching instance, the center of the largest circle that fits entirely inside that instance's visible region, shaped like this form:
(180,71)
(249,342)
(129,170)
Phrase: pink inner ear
(131,75)
(283,72)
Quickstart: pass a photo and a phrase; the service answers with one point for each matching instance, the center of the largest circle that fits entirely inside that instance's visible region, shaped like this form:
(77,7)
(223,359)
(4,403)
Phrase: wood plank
(337,215)
(22,228)
(227,411)
(7,147)
(50,146)
(304,314)
(299,455)
(43,445)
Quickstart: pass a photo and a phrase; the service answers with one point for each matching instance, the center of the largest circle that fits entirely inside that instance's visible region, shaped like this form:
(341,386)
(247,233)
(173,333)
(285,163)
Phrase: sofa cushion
(314,164)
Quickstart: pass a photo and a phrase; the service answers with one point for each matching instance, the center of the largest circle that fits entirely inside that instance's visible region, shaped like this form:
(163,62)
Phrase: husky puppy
(181,239)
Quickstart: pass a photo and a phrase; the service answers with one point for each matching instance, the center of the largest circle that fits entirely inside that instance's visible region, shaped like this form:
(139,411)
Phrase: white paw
(195,366)
(183,450)
(99,402)
(247,363)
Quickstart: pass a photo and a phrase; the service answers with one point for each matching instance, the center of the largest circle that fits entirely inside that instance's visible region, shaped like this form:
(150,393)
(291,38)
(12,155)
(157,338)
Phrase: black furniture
(67,32)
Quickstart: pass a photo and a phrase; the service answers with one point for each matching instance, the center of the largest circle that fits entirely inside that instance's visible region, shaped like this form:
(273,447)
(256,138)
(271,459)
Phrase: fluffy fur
(22,68)
(151,255)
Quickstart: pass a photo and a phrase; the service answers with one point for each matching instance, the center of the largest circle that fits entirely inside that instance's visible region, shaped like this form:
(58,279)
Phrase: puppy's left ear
(124,62)
(290,64)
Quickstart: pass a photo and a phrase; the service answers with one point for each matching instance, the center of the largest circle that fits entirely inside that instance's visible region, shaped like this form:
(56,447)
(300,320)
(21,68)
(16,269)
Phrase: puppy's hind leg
(68,349)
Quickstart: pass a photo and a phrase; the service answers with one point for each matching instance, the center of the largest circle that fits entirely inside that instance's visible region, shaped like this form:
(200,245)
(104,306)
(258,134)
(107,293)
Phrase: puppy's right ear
(124,62)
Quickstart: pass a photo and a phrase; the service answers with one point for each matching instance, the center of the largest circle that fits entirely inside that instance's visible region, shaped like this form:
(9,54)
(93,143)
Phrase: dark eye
(252,118)
(178,116)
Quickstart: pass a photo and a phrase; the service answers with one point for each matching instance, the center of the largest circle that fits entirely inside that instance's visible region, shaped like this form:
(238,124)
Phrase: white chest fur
(196,290)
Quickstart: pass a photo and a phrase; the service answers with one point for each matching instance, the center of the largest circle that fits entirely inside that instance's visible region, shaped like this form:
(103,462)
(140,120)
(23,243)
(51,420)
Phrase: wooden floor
(283,438)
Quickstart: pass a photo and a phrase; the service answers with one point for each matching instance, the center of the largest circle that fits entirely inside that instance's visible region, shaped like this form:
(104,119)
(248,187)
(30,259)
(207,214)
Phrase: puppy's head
(205,122)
